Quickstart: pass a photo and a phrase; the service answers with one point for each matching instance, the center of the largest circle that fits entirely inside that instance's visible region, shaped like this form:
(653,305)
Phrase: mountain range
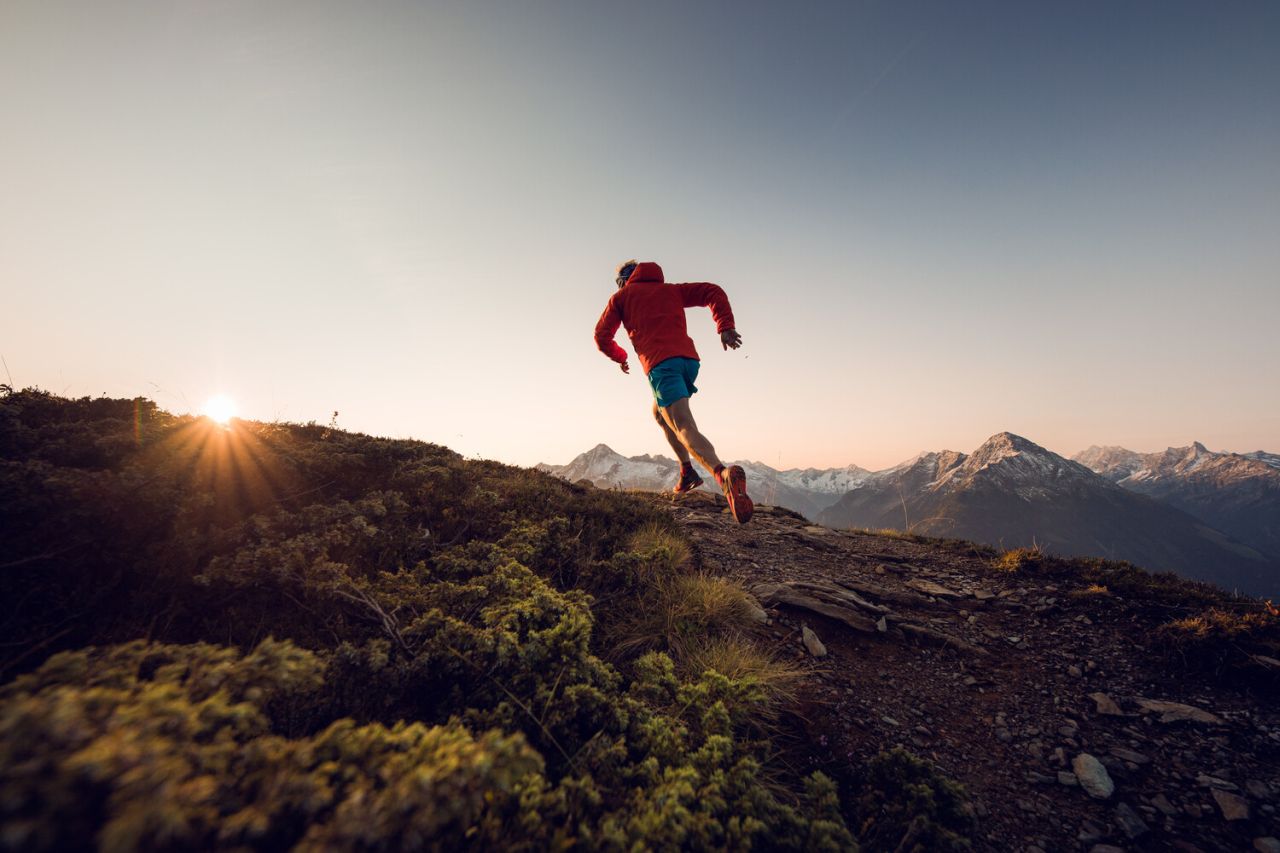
(1205,515)
(806,490)
(1238,493)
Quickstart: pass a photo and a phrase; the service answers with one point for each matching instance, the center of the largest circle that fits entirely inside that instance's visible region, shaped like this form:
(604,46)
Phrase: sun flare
(220,409)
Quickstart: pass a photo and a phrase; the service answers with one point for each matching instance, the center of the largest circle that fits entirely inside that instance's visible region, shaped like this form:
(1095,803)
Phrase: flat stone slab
(773,594)
(930,588)
(1176,712)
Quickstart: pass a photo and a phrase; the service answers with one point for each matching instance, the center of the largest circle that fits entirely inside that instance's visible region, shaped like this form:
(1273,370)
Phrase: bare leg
(672,439)
(679,420)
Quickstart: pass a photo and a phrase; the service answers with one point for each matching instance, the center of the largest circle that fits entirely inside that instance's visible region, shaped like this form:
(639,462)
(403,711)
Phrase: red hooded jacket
(653,313)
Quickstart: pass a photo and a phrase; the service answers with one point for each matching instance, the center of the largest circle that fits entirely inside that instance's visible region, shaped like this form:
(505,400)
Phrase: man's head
(625,269)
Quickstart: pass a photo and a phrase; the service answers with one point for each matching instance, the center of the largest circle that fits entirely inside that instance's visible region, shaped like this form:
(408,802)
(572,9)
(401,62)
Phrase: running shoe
(733,480)
(689,480)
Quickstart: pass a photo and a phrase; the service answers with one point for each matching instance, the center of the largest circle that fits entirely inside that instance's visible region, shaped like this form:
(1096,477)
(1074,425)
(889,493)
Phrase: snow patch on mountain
(829,481)
(1269,459)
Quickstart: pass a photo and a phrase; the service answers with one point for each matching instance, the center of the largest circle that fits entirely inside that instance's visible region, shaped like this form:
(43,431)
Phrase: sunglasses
(624,274)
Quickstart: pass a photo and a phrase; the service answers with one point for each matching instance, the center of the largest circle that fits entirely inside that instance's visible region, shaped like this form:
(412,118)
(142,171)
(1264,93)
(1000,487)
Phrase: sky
(935,221)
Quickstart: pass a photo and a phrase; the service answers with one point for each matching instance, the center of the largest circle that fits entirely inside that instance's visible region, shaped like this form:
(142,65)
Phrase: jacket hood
(647,271)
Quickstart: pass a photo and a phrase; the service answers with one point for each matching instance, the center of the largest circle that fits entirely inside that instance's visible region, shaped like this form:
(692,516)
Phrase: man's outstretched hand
(730,339)
(626,368)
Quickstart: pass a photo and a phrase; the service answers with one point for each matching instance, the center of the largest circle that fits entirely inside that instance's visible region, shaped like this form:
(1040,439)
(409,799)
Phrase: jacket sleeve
(712,295)
(606,328)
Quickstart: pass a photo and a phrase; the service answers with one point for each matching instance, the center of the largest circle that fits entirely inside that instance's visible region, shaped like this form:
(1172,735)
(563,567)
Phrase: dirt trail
(989,674)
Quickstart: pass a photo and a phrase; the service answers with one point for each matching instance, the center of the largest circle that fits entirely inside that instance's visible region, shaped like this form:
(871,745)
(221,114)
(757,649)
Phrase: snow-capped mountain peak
(1017,464)
(1110,461)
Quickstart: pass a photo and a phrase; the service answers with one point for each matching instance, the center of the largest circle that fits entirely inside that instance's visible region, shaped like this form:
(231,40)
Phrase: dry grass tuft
(679,612)
(1019,559)
(739,658)
(1092,591)
(1223,625)
(663,551)
(889,533)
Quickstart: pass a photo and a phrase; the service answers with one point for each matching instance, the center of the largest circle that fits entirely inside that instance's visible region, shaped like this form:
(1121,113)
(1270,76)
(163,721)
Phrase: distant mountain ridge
(805,490)
(1013,492)
(1205,515)
(1238,493)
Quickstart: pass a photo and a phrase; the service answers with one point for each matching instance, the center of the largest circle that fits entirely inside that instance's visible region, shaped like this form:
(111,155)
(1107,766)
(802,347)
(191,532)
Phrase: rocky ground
(1046,701)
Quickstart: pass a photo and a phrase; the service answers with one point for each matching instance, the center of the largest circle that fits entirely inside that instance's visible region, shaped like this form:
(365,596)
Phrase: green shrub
(437,680)
(908,806)
(148,747)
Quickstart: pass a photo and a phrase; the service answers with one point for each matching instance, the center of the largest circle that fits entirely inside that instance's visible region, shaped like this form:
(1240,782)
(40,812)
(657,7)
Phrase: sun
(219,409)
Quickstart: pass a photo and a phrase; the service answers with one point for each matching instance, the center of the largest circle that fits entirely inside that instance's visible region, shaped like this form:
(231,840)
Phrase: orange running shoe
(733,480)
(689,480)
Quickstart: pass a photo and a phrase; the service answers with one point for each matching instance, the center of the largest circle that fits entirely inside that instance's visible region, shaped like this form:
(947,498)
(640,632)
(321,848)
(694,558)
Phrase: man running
(653,313)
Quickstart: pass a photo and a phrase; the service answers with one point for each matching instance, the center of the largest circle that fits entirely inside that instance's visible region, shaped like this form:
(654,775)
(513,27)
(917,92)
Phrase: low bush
(907,806)
(151,746)
(436,677)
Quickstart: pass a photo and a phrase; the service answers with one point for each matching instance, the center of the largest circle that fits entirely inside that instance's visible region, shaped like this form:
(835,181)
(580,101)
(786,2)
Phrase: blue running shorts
(672,379)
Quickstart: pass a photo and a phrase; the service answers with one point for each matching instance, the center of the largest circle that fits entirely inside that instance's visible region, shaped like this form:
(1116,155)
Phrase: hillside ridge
(266,636)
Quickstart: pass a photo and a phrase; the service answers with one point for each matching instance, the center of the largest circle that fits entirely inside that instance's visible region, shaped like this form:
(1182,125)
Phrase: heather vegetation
(279,635)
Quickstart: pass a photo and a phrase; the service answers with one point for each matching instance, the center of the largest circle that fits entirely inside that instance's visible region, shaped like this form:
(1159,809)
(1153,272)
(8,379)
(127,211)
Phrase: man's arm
(704,293)
(606,328)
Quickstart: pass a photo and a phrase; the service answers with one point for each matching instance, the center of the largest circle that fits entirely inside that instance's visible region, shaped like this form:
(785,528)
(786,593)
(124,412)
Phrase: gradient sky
(935,221)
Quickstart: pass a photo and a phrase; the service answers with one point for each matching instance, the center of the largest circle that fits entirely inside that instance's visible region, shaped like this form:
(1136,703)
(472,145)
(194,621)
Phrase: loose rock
(755,612)
(1257,789)
(1106,705)
(1233,807)
(812,643)
(1129,822)
(1161,802)
(1093,777)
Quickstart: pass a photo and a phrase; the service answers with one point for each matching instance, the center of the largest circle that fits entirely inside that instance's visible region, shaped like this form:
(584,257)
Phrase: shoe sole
(739,504)
(688,488)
